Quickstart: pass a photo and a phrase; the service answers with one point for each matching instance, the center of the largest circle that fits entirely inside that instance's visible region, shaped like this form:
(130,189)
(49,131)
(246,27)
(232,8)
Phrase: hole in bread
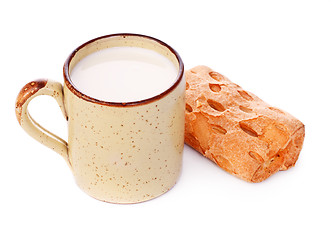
(280,127)
(256,157)
(194,72)
(276,110)
(224,163)
(248,129)
(245,95)
(218,129)
(215,105)
(201,131)
(245,109)
(192,141)
(216,76)
(187,85)
(188,108)
(215,87)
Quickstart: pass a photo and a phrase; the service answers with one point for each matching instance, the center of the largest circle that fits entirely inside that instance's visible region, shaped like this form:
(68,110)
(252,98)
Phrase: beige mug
(118,152)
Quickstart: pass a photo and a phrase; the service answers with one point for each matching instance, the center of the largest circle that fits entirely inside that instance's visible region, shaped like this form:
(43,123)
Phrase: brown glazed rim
(79,94)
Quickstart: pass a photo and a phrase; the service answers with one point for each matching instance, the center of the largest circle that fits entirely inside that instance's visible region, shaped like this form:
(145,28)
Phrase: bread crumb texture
(237,130)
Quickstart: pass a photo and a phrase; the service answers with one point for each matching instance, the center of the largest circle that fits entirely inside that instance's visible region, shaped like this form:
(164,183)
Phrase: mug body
(125,152)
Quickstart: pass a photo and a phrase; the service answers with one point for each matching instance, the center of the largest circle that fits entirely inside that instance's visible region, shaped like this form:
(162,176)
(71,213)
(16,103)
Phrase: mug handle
(27,93)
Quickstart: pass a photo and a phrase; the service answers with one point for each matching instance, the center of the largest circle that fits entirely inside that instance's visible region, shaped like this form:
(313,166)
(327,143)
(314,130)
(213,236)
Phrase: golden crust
(238,131)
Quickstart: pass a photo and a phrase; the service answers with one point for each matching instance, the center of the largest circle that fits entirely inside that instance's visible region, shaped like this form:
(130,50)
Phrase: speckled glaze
(118,152)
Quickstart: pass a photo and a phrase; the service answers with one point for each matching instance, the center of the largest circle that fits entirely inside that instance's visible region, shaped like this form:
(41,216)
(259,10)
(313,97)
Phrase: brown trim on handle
(26,92)
(71,87)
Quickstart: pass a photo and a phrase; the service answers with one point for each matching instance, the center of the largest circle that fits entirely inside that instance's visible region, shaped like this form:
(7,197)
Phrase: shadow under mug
(118,152)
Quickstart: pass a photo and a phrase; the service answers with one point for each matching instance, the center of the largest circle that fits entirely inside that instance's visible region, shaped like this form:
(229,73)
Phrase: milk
(123,74)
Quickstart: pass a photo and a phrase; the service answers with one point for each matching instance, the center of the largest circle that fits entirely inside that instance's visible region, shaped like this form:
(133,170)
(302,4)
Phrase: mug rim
(78,93)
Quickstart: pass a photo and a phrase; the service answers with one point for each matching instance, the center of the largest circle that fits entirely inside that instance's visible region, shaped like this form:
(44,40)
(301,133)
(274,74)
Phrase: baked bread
(238,131)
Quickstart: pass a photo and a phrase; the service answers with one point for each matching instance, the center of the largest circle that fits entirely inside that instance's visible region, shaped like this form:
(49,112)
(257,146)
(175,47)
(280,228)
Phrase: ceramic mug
(118,152)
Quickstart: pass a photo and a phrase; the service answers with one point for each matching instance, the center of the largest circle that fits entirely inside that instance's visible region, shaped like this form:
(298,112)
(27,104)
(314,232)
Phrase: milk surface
(123,74)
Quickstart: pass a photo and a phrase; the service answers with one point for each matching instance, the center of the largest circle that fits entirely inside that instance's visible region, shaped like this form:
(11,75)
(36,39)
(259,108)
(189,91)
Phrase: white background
(279,50)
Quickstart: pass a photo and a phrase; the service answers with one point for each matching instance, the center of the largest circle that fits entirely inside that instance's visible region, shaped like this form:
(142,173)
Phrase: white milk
(123,74)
